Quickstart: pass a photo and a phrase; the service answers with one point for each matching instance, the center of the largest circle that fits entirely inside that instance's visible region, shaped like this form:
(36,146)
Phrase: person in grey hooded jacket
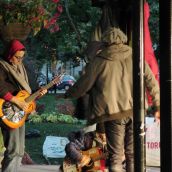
(108,80)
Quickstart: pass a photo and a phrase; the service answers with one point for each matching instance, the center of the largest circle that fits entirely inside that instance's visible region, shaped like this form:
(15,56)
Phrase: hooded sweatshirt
(14,46)
(108,79)
(9,85)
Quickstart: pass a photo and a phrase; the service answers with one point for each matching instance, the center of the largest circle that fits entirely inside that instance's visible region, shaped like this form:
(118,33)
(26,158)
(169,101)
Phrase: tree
(76,23)
(154,24)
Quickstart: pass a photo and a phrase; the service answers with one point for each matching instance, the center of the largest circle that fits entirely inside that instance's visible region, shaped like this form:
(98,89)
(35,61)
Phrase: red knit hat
(15,45)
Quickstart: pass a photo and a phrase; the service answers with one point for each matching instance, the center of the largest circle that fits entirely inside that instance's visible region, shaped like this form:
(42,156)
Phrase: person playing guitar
(13,78)
(83,154)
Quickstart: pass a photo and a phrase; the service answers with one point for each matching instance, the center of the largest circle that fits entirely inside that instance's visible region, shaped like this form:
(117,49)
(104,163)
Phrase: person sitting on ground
(78,143)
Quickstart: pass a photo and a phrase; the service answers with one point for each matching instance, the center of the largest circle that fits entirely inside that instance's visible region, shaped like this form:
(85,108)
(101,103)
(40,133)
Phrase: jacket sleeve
(4,86)
(73,153)
(152,86)
(86,81)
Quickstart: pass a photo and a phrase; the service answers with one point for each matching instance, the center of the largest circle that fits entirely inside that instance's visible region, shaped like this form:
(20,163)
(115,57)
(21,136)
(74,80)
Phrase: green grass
(49,101)
(34,145)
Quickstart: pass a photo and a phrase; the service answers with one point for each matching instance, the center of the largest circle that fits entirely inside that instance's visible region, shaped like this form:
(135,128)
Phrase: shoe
(32,133)
(26,160)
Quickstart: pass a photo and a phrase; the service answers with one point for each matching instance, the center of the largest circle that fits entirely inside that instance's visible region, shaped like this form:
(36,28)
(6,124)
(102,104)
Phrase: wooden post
(138,86)
(166,84)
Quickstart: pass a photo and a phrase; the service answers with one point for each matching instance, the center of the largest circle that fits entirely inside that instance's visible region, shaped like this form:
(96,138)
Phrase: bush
(55,118)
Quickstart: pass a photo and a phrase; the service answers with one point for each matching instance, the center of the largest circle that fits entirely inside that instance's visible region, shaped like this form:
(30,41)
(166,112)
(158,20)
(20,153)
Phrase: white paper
(152,142)
(53,147)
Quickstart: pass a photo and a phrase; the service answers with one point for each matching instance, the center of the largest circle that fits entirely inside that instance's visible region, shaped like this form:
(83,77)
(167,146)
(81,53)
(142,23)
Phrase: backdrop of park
(76,23)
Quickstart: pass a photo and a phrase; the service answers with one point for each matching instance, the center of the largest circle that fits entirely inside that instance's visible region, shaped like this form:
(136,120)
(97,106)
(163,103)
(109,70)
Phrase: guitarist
(13,78)
(80,142)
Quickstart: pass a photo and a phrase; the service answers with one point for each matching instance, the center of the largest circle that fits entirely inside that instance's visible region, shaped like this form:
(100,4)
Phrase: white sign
(152,142)
(53,147)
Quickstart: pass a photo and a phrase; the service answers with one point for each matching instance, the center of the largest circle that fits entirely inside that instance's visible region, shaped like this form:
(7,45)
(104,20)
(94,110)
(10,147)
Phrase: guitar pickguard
(12,112)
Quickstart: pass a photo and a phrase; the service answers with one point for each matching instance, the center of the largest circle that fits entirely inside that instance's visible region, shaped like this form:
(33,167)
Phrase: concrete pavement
(55,168)
(153,169)
(38,168)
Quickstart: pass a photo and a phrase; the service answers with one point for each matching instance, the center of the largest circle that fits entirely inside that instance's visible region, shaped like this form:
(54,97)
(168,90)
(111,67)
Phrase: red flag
(148,49)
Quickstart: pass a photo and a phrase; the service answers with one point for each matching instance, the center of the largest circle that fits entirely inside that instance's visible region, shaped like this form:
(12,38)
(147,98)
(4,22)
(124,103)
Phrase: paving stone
(54,168)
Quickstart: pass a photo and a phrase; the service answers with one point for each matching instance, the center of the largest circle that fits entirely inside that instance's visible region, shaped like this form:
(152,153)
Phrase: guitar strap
(19,73)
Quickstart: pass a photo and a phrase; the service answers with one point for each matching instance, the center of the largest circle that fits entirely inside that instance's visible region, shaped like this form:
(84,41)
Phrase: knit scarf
(19,73)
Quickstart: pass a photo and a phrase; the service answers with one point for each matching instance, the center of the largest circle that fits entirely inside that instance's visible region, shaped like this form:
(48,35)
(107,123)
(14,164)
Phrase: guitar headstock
(58,78)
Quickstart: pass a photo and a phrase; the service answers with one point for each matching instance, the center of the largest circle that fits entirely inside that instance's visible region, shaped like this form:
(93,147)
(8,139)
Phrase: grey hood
(116,52)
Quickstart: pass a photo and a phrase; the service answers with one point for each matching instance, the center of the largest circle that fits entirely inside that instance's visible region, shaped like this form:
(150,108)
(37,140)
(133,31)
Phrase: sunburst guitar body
(97,156)
(12,116)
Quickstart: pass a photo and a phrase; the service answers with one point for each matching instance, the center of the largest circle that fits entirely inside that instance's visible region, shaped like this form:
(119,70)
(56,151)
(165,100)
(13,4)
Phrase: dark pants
(14,142)
(119,135)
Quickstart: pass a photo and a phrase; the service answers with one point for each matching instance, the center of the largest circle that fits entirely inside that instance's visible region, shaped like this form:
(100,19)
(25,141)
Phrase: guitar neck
(37,93)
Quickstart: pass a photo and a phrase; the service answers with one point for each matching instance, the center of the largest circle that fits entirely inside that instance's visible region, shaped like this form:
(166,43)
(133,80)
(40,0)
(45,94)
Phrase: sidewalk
(152,169)
(54,168)
(38,168)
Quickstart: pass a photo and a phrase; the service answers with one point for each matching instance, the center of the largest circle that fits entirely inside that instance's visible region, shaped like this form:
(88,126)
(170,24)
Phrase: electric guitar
(12,115)
(96,154)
